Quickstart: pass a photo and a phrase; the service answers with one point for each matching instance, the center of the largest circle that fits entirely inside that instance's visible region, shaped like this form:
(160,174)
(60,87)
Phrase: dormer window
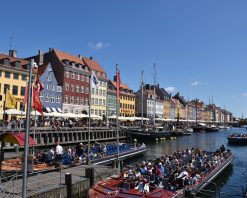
(72,64)
(17,64)
(79,66)
(6,62)
(66,62)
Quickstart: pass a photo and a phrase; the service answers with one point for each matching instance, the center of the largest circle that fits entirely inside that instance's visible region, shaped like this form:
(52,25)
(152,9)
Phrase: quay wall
(46,136)
(79,189)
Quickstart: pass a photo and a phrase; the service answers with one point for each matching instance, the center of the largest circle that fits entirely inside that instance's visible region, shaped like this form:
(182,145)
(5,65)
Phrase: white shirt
(59,150)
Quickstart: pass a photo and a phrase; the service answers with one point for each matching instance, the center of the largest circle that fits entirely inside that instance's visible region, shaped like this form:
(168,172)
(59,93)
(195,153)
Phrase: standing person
(59,152)
(50,157)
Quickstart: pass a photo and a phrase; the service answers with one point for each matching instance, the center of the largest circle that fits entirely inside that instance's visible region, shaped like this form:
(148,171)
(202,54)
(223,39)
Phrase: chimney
(115,78)
(91,58)
(50,49)
(80,56)
(41,57)
(12,53)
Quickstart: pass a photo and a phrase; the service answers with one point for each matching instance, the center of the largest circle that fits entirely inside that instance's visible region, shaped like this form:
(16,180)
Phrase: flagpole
(142,82)
(117,104)
(89,118)
(27,130)
(34,130)
(4,110)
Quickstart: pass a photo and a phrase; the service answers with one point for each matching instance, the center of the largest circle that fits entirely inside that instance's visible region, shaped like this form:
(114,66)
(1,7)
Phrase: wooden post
(89,173)
(68,183)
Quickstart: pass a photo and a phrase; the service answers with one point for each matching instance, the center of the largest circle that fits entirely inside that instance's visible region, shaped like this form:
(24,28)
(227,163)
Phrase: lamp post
(27,130)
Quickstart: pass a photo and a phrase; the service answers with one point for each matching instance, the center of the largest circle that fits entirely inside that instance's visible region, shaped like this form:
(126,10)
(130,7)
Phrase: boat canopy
(16,138)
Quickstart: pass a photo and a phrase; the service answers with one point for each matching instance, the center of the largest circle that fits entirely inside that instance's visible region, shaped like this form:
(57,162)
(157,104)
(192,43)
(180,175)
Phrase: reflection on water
(227,182)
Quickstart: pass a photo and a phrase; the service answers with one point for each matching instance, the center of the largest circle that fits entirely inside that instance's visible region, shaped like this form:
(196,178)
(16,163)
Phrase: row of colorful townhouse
(66,82)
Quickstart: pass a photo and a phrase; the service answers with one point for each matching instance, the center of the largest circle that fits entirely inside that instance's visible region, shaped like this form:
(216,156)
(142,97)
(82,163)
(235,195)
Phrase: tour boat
(122,187)
(237,138)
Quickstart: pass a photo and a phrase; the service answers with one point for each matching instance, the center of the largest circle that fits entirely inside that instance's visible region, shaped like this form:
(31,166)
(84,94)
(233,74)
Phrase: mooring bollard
(89,173)
(68,183)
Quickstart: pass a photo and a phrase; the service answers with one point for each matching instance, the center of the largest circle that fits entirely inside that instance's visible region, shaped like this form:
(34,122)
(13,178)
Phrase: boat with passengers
(237,138)
(168,176)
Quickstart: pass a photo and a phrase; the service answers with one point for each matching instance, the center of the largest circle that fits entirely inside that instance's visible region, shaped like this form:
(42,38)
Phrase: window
(66,100)
(72,87)
(104,92)
(7,74)
(58,99)
(96,91)
(100,112)
(100,92)
(78,77)
(52,99)
(46,98)
(103,102)
(49,77)
(23,91)
(82,101)
(23,77)
(16,76)
(86,101)
(73,75)
(96,101)
(65,110)
(71,99)
(47,87)
(87,90)
(6,87)
(92,101)
(87,79)
(67,74)
(59,89)
(77,88)
(77,100)
(93,91)
(96,111)
(53,87)
(82,89)
(100,102)
(103,112)
(82,78)
(15,90)
(92,111)
(67,87)
(6,62)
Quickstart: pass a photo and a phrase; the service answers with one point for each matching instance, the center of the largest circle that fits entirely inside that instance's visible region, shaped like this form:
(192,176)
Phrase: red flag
(118,84)
(36,103)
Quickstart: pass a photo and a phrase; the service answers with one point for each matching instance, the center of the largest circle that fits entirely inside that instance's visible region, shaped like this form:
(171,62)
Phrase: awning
(54,109)
(16,138)
(59,110)
(48,109)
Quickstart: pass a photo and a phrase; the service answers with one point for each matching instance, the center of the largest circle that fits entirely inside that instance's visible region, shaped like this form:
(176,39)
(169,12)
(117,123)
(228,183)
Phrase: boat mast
(142,84)
(154,96)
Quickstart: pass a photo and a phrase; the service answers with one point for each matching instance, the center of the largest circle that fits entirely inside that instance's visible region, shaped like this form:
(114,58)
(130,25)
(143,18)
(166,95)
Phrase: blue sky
(199,47)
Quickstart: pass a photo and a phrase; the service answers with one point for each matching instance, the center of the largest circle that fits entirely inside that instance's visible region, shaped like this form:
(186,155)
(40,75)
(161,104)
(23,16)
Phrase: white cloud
(195,83)
(170,89)
(244,94)
(98,46)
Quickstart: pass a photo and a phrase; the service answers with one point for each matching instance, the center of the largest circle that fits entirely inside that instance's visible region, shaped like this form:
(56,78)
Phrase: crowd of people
(80,154)
(173,172)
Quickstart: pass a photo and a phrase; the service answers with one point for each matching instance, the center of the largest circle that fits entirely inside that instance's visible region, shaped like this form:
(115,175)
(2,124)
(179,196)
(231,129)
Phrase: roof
(124,86)
(16,138)
(65,56)
(42,69)
(15,59)
(93,64)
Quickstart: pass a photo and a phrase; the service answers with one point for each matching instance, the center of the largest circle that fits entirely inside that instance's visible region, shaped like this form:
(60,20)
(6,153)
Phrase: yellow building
(127,100)
(166,109)
(13,76)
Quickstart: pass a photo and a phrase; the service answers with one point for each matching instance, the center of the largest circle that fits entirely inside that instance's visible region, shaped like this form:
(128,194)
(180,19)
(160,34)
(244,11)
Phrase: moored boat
(154,185)
(237,138)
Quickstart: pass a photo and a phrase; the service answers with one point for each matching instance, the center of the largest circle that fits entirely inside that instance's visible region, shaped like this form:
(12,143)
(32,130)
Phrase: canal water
(231,181)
